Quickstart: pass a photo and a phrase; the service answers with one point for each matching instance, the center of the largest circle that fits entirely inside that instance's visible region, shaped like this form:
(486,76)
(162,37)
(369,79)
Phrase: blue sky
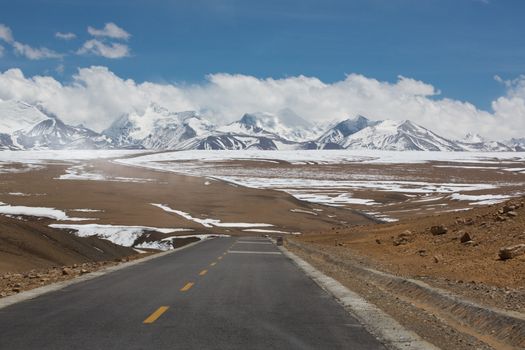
(458,46)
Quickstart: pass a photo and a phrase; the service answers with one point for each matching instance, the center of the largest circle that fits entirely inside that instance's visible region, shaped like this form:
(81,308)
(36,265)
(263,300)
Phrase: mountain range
(24,126)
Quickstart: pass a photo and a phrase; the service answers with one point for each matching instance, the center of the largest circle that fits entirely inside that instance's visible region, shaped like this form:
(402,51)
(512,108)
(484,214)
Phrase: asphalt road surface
(225,293)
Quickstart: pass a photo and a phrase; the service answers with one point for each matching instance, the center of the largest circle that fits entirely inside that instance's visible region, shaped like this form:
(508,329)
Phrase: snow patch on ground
(78,172)
(208,222)
(118,234)
(428,199)
(516,170)
(382,217)
(486,199)
(338,189)
(159,245)
(9,169)
(313,187)
(62,155)
(329,156)
(303,211)
(44,212)
(87,210)
(166,243)
(329,198)
(418,187)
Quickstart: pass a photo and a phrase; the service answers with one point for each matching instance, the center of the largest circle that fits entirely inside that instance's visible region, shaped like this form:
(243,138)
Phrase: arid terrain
(443,222)
(464,258)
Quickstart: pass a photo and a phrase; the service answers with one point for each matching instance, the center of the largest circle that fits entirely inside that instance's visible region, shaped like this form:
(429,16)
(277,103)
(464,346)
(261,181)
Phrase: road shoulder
(385,328)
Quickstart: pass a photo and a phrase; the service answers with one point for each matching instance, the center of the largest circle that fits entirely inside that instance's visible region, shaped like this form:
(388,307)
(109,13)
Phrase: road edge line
(385,328)
(36,292)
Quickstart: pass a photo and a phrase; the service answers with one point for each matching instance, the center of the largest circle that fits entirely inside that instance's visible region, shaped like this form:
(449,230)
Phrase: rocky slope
(336,136)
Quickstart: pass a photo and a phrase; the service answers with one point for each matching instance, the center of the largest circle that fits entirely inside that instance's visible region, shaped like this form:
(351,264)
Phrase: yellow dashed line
(213,263)
(187,287)
(203,272)
(219,258)
(154,316)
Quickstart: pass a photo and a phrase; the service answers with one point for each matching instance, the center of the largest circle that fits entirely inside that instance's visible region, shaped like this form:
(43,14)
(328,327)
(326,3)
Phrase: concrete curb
(392,334)
(504,326)
(33,293)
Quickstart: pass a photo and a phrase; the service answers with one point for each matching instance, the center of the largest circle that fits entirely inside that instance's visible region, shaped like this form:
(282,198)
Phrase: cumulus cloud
(21,49)
(110,30)
(65,36)
(96,97)
(98,48)
(511,107)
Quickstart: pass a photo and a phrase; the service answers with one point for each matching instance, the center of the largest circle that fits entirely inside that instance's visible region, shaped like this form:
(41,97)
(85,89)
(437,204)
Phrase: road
(225,293)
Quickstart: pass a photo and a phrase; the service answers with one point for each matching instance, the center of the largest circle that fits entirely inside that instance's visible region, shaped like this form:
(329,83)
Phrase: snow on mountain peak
(289,127)
(18,115)
(336,135)
(24,126)
(473,138)
(398,136)
(157,127)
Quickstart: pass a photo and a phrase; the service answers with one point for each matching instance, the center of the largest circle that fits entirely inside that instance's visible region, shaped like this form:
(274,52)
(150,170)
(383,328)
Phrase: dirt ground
(29,243)
(470,266)
(128,202)
(398,191)
(435,241)
(124,197)
(16,282)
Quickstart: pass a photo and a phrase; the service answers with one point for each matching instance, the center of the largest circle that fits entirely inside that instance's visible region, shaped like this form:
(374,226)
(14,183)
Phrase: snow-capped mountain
(476,143)
(17,115)
(398,136)
(53,133)
(254,131)
(473,138)
(336,136)
(288,126)
(517,144)
(24,126)
(157,128)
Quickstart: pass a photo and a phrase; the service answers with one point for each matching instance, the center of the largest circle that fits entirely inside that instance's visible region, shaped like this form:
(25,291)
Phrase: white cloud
(96,97)
(25,50)
(6,34)
(110,30)
(60,68)
(98,48)
(511,107)
(34,53)
(101,47)
(65,36)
